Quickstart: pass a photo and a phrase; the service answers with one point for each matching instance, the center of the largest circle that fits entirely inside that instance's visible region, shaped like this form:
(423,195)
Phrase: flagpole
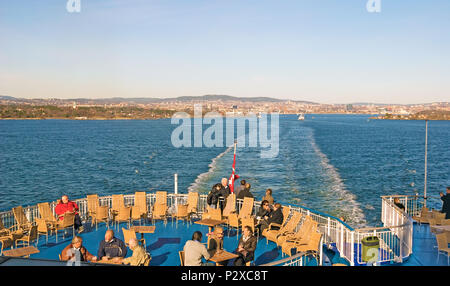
(426,149)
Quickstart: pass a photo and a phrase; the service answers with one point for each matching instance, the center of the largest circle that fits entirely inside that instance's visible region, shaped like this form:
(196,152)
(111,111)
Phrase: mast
(426,149)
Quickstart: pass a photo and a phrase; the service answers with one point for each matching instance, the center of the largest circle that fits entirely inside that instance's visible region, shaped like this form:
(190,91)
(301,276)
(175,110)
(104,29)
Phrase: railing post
(352,252)
(328,226)
(342,238)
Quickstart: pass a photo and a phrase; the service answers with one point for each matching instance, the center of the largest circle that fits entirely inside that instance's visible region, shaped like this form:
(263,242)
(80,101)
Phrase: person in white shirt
(194,251)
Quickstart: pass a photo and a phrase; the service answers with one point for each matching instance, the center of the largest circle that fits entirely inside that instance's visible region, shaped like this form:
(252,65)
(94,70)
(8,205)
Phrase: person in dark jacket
(274,217)
(399,204)
(213,196)
(264,210)
(111,247)
(240,188)
(224,192)
(77,250)
(446,203)
(245,192)
(246,247)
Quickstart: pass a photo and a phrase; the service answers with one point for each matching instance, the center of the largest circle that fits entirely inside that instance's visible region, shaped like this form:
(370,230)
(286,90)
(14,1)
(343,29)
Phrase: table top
(442,227)
(210,222)
(224,255)
(144,228)
(22,251)
(107,262)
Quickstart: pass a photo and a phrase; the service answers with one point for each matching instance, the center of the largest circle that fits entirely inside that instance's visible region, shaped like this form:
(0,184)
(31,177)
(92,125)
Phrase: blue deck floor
(163,245)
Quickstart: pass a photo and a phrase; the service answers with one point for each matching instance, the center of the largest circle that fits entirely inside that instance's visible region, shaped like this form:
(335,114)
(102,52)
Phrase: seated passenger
(139,254)
(268,197)
(274,217)
(76,250)
(246,248)
(245,192)
(194,250)
(67,206)
(111,247)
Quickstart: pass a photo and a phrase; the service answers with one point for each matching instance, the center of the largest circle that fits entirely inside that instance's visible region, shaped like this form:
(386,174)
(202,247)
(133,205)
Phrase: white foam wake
(355,214)
(203,178)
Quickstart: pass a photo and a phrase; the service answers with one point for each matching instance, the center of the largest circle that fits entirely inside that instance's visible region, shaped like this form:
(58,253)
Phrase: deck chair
(312,247)
(248,221)
(215,214)
(442,245)
(5,242)
(31,236)
(288,228)
(44,228)
(68,221)
(160,212)
(181,254)
(230,206)
(425,215)
(181,214)
(21,218)
(233,222)
(140,209)
(301,237)
(123,215)
(128,234)
(192,204)
(47,215)
(101,215)
(247,208)
(92,204)
(117,204)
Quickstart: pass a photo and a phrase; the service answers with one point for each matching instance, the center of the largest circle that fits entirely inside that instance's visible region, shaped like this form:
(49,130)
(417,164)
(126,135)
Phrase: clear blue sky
(328,51)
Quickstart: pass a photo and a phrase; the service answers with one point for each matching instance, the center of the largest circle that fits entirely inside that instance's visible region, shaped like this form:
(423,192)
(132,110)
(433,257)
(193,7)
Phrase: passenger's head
(218,232)
(224,182)
(268,192)
(265,205)
(248,186)
(109,235)
(197,236)
(77,241)
(396,200)
(218,187)
(132,242)
(65,199)
(243,182)
(248,231)
(277,206)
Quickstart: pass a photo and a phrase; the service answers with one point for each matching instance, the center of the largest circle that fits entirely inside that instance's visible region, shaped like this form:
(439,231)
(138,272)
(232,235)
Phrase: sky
(326,51)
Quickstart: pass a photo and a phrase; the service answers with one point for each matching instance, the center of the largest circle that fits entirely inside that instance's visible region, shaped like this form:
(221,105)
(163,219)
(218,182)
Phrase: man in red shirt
(66,206)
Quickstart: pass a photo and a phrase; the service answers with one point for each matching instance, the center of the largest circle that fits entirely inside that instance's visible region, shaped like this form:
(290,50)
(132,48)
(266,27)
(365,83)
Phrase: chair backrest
(305,227)
(92,202)
(292,223)
(136,212)
(127,235)
(233,220)
(439,217)
(192,202)
(41,225)
(101,213)
(442,241)
(285,211)
(215,214)
(314,241)
(68,220)
(140,201)
(182,210)
(124,213)
(2,226)
(161,197)
(45,212)
(181,254)
(117,202)
(32,234)
(20,216)
(445,222)
(230,206)
(247,207)
(248,221)
(160,209)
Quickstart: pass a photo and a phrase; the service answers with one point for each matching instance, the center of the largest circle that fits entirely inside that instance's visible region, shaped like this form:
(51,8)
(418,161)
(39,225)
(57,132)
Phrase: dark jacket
(115,248)
(244,193)
(262,212)
(249,246)
(213,196)
(276,217)
(446,205)
(225,192)
(238,189)
(85,255)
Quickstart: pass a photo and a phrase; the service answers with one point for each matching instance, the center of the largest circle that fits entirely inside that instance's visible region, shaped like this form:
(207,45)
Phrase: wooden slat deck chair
(181,254)
(92,204)
(139,210)
(425,215)
(307,225)
(47,214)
(181,214)
(301,237)
(442,245)
(230,206)
(31,236)
(159,210)
(248,221)
(247,208)
(21,218)
(124,215)
(192,204)
(66,222)
(312,247)
(215,214)
(233,222)
(44,228)
(128,234)
(288,228)
(101,215)
(118,203)
(6,237)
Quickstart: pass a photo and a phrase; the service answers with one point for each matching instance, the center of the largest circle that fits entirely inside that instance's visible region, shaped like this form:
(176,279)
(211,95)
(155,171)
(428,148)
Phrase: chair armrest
(274,224)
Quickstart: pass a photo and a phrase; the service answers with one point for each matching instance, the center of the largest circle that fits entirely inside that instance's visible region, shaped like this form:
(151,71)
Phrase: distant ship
(301,116)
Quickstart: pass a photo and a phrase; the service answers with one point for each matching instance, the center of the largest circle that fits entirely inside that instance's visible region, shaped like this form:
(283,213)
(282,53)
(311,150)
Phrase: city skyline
(334,53)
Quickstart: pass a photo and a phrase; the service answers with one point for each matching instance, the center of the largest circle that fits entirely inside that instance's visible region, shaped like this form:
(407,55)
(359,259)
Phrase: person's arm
(101,250)
(124,248)
(205,252)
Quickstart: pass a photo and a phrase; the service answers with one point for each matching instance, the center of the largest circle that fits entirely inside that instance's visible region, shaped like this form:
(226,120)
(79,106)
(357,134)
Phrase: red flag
(233,175)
